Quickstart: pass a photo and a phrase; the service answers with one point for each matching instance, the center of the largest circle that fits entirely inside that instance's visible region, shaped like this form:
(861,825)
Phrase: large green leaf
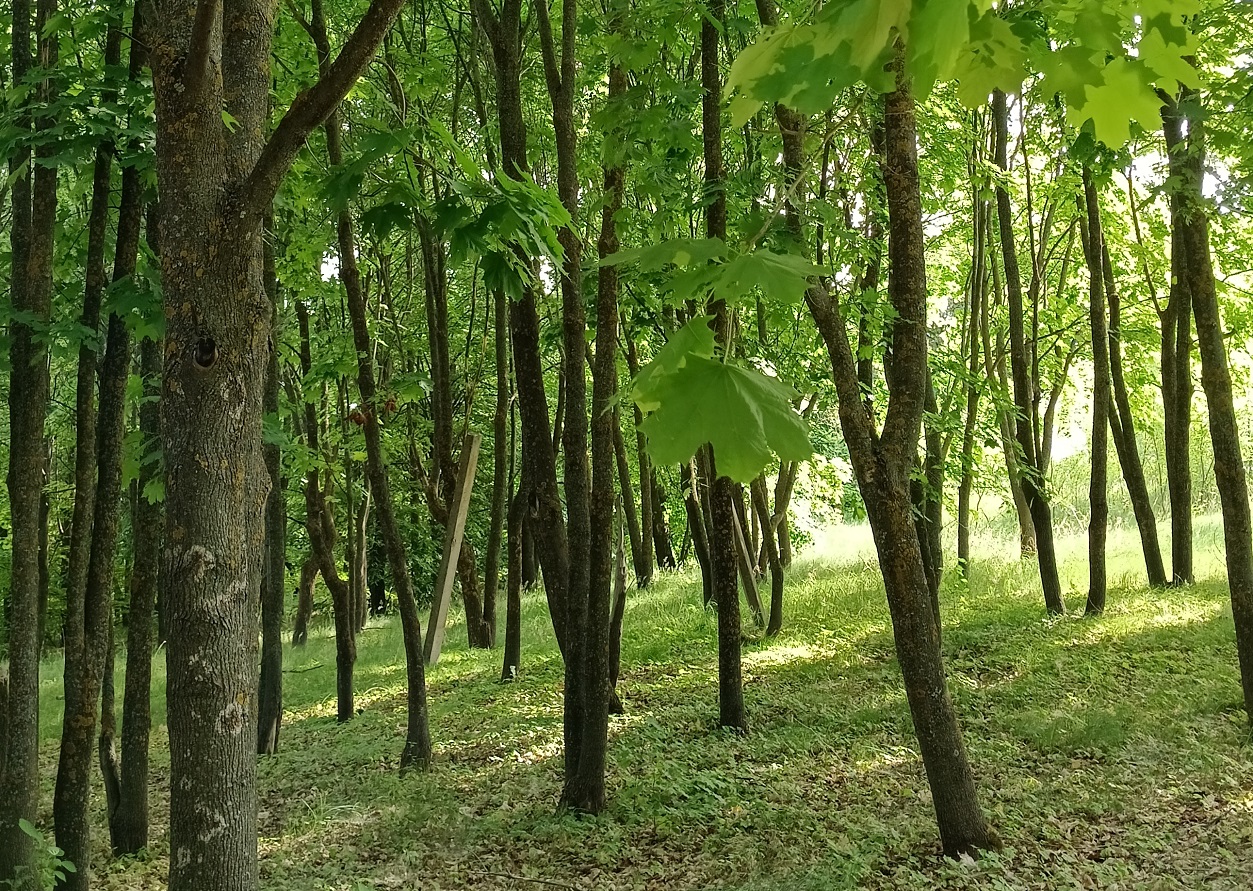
(746,416)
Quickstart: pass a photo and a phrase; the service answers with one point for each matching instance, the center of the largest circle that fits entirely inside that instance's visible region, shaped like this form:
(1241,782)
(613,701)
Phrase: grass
(1110,752)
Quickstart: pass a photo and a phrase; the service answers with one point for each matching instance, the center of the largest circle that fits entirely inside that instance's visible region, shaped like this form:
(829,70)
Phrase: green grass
(1110,752)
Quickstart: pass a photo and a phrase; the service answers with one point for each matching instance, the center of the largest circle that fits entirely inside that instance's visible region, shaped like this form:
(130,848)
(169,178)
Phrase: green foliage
(51,867)
(692,399)
(1079,47)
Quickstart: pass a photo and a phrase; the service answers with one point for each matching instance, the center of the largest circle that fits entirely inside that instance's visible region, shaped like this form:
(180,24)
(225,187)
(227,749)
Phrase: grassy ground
(1110,753)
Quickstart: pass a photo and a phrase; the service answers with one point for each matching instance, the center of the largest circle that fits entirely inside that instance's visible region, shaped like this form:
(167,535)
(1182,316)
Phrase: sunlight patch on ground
(781,655)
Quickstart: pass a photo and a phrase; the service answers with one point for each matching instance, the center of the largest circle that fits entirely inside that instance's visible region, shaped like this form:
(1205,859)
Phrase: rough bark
(220,181)
(1032,466)
(30,235)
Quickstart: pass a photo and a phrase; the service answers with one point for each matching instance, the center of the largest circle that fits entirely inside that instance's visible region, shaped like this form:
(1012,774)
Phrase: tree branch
(312,106)
(201,40)
(549,50)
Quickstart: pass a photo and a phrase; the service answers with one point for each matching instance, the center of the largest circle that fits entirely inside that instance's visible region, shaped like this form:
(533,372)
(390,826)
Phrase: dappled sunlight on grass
(1110,752)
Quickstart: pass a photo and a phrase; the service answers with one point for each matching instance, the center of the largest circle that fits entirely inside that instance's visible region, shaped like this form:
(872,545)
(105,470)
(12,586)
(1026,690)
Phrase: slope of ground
(1110,752)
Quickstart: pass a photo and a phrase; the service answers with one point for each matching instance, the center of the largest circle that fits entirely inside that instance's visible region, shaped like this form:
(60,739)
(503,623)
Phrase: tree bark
(1102,397)
(220,180)
(500,461)
(1032,477)
(128,825)
(1190,230)
(1176,357)
(1123,431)
(760,504)
(881,463)
(304,601)
(273,571)
(31,238)
(976,298)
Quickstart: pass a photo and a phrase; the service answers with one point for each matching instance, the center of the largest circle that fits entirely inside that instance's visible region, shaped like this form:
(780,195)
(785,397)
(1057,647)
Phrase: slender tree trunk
(882,463)
(1176,356)
(1123,431)
(760,504)
(128,825)
(662,542)
(1102,397)
(1032,464)
(652,512)
(696,528)
(976,299)
(321,527)
(1191,230)
(500,458)
(83,641)
(513,585)
(273,571)
(640,559)
(304,601)
(722,489)
(539,463)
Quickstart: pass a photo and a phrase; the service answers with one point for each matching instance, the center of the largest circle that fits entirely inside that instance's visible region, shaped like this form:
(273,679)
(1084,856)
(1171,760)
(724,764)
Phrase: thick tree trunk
(1176,356)
(31,236)
(1191,231)
(1032,464)
(216,183)
(1102,397)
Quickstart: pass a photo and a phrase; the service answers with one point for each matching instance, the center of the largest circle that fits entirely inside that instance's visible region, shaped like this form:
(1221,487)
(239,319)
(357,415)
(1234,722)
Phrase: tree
(211,60)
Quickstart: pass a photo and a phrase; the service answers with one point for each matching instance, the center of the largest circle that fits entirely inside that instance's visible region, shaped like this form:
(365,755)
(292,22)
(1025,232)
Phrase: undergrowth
(1110,752)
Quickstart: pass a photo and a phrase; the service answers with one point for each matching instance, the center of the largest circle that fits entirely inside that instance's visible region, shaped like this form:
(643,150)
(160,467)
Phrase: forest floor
(1110,752)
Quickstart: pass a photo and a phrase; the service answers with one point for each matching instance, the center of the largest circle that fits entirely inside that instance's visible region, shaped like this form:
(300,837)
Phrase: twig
(506,875)
(302,670)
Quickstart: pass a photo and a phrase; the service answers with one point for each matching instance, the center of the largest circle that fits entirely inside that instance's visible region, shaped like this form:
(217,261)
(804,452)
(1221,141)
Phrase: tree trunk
(84,643)
(221,181)
(722,492)
(1123,431)
(1176,355)
(976,300)
(500,459)
(652,512)
(696,528)
(273,570)
(1102,397)
(304,601)
(662,543)
(513,586)
(760,504)
(1190,229)
(31,239)
(641,556)
(1032,464)
(128,826)
(882,463)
